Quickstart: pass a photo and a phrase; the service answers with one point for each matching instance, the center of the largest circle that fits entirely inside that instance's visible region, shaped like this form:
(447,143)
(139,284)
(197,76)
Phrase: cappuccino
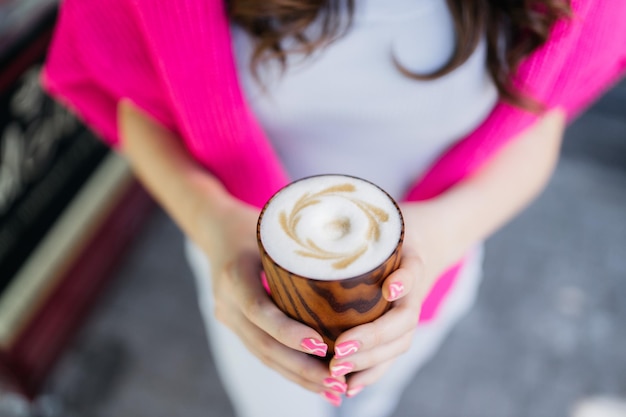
(330,227)
(327,243)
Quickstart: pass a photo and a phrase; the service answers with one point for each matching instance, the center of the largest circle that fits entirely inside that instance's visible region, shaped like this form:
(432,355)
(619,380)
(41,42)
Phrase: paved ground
(549,328)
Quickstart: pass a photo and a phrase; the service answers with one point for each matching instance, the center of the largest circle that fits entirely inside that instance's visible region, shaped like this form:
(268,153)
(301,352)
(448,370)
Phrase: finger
(403,280)
(260,310)
(394,324)
(298,367)
(371,358)
(360,380)
(330,389)
(402,318)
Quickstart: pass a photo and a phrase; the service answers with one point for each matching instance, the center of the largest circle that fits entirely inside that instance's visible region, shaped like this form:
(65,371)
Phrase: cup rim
(360,276)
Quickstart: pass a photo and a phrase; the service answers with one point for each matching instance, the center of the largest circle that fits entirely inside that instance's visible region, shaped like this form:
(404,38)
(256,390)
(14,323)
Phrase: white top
(349,110)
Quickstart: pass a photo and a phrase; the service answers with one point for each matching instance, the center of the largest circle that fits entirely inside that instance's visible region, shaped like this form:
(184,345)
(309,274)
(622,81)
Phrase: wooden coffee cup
(330,306)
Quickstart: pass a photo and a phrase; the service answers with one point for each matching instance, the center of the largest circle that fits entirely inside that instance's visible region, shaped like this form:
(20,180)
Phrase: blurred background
(98,314)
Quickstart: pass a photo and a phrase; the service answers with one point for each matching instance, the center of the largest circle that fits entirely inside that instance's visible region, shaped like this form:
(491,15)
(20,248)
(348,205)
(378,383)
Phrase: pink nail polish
(314,346)
(352,392)
(341,369)
(346,348)
(265,283)
(395,290)
(331,398)
(335,385)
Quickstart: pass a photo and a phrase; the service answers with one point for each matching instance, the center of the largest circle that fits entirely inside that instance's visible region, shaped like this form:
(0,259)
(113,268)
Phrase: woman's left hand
(364,353)
(367,351)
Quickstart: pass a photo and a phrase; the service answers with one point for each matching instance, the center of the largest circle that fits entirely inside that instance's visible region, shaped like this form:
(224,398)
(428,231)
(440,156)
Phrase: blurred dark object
(68,207)
(18,18)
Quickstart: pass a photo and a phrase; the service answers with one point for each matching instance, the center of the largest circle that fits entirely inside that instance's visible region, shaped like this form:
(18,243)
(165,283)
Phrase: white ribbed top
(348,110)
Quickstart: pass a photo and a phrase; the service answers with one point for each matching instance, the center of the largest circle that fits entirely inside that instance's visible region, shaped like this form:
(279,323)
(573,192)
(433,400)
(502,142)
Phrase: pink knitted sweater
(174,59)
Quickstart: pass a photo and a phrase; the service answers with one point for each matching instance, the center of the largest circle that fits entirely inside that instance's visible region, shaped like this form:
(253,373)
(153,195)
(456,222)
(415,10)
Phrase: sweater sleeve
(597,59)
(98,56)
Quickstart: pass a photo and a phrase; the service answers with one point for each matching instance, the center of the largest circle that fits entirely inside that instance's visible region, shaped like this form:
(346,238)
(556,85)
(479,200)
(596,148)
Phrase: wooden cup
(329,306)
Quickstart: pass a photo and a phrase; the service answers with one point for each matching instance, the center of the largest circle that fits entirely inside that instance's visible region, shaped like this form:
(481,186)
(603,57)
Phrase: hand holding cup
(327,243)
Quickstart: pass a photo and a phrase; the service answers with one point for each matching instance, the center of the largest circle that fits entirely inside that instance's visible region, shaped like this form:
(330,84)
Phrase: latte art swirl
(330,227)
(333,228)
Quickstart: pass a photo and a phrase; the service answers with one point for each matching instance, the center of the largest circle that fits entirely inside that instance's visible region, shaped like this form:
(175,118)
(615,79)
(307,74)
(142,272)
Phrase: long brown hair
(513,29)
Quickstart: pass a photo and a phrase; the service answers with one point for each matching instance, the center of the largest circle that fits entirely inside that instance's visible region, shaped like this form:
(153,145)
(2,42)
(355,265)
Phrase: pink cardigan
(174,59)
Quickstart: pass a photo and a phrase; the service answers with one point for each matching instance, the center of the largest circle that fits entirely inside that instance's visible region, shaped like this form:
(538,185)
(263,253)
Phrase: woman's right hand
(243,305)
(225,229)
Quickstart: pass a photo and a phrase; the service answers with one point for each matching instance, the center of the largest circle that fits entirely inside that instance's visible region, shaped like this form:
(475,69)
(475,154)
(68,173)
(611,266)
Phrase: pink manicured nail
(266,284)
(395,290)
(354,391)
(314,346)
(331,398)
(341,369)
(335,385)
(346,348)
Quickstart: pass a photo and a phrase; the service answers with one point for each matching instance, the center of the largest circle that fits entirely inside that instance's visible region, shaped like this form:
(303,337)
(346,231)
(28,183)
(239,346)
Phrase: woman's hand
(243,305)
(365,352)
(225,229)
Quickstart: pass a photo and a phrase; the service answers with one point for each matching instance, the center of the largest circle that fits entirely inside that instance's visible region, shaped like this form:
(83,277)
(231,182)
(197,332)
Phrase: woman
(457,109)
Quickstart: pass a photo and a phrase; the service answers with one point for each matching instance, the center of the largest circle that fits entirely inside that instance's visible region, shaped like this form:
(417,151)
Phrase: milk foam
(330,227)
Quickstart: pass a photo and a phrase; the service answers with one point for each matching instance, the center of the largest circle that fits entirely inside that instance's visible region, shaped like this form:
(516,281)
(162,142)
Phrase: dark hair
(513,29)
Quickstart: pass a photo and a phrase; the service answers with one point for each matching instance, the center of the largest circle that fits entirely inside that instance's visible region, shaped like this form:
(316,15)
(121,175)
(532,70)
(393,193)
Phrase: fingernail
(395,290)
(265,283)
(314,346)
(346,348)
(335,385)
(331,398)
(354,391)
(341,369)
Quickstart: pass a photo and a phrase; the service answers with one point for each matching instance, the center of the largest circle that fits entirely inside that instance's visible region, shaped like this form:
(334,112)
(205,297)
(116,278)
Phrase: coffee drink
(327,243)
